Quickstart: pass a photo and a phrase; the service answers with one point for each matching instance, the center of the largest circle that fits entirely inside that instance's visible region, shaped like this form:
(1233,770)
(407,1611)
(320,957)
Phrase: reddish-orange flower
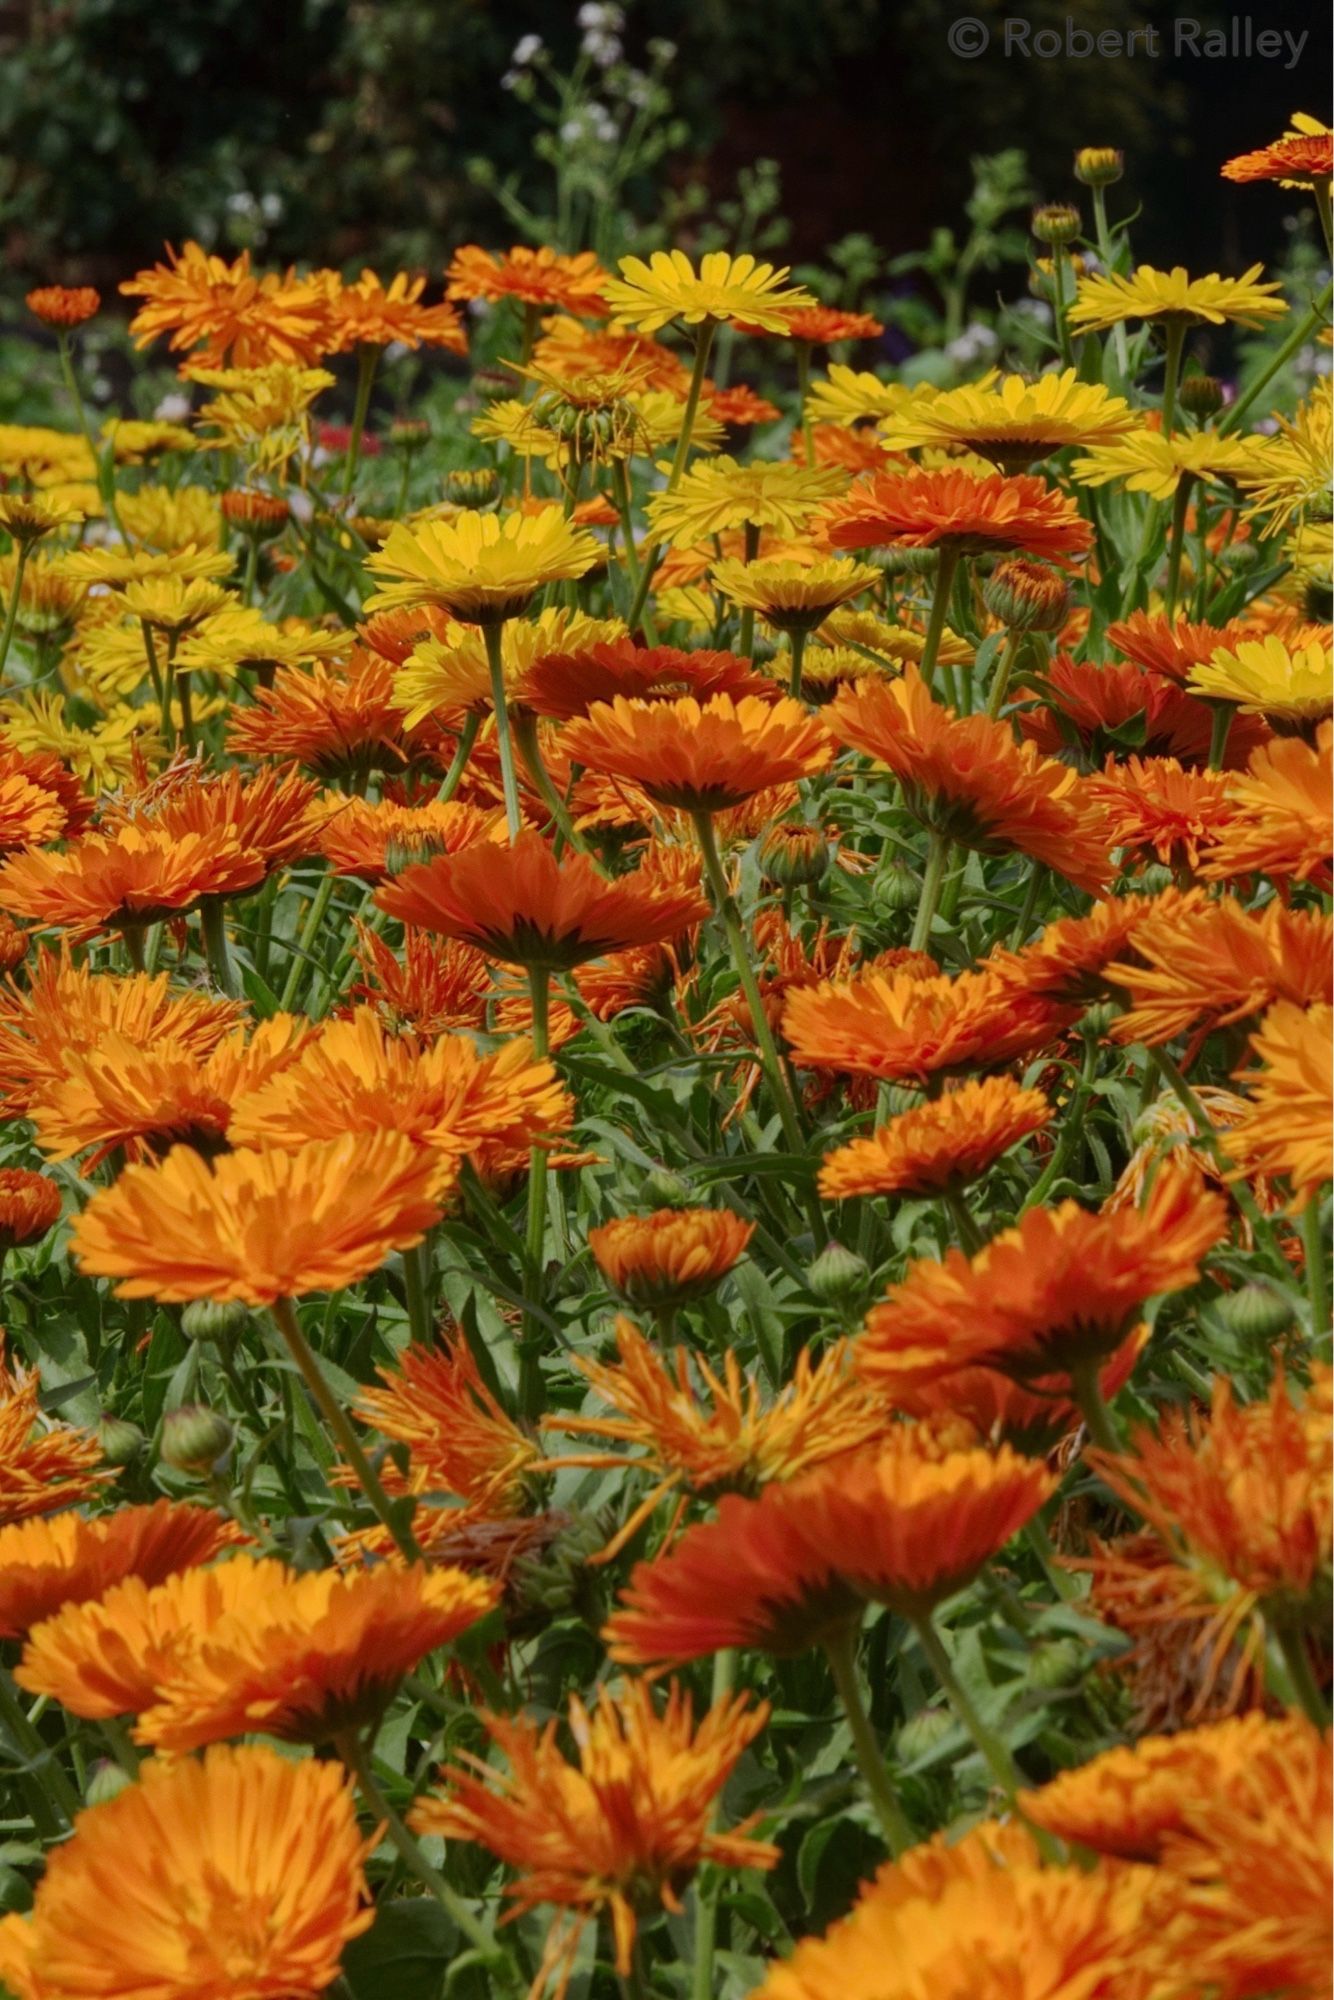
(268,814)
(462,1444)
(333,719)
(966,778)
(1202,963)
(70,1560)
(670,1255)
(905,1028)
(1298,159)
(1173,647)
(521,905)
(1158,811)
(1060,1290)
(540,277)
(1069,960)
(1033,1417)
(938,1146)
(438,986)
(138,877)
(29,1207)
(376,839)
(700,756)
(629,1823)
(39,800)
(64,305)
(1111,708)
(566,685)
(926,510)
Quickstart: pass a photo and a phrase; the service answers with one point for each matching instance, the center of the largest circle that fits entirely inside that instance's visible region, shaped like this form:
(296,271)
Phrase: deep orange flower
(439,985)
(522,906)
(640,977)
(70,1560)
(1298,159)
(306,1656)
(1173,647)
(905,1525)
(825,326)
(700,756)
(333,719)
(268,814)
(1068,961)
(29,1207)
(739,404)
(927,510)
(1286,1132)
(1062,1288)
(566,685)
(670,1255)
(396,634)
(902,1027)
(1034,1416)
(139,877)
(374,839)
(39,800)
(938,1146)
(64,305)
(240,1874)
(1116,707)
(434,1401)
(44,1465)
(628,1824)
(261,1226)
(370,313)
(540,277)
(966,778)
(227,313)
(1126,1802)
(1284,824)
(1156,810)
(68,1008)
(1206,963)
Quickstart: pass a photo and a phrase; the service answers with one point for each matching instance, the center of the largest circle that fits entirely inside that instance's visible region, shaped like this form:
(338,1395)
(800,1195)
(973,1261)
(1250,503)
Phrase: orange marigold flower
(905,1525)
(439,985)
(1286,1130)
(39,800)
(370,313)
(138,877)
(739,404)
(1126,1802)
(333,719)
(1284,819)
(1298,159)
(1068,961)
(29,1207)
(434,1401)
(1033,1417)
(268,814)
(227,314)
(927,510)
(966,778)
(1057,1292)
(376,838)
(521,905)
(261,1226)
(307,1656)
(70,1560)
(1173,647)
(396,634)
(64,305)
(1208,963)
(700,756)
(627,1824)
(243,1873)
(68,1008)
(1158,810)
(566,685)
(44,1465)
(670,1255)
(937,1147)
(540,277)
(904,1028)
(1109,708)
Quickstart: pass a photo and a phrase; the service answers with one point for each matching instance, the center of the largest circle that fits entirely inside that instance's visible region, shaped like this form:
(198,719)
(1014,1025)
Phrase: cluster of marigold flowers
(933,785)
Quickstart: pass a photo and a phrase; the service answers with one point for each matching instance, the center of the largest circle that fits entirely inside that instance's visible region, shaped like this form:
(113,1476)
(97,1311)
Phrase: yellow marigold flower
(1291,685)
(659,415)
(173,605)
(44,457)
(1175,297)
(1148,462)
(222,309)
(648,296)
(478,567)
(628,1823)
(308,1656)
(26,518)
(668,1256)
(137,443)
(243,1873)
(120,567)
(900,645)
(700,756)
(938,1146)
(1293,473)
(50,599)
(161,519)
(721,494)
(1286,1129)
(850,396)
(1285,814)
(240,636)
(1014,423)
(794,597)
(261,1226)
(103,755)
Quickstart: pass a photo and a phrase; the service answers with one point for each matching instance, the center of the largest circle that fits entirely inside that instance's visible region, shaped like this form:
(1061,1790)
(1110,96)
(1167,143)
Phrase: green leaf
(405,1953)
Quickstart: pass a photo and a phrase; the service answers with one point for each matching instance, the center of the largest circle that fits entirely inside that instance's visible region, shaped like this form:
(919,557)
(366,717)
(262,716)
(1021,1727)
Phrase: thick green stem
(797,646)
(1058,264)
(309,932)
(937,860)
(1000,685)
(524,724)
(535,1228)
(1315,1248)
(703,348)
(1177,546)
(1305,330)
(133,936)
(1219,731)
(970,1236)
(508,779)
(841,1651)
(706,1906)
(368,360)
(12,610)
(1176,340)
(1085,1381)
(1103,237)
(1297,1659)
(251,569)
(947,564)
(458,763)
(284,1318)
(994,1753)
(213,923)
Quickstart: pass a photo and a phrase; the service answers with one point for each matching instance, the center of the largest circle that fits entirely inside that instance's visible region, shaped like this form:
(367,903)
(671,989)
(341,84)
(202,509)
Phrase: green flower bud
(1099,166)
(1027,596)
(105,1781)
(897,887)
(907,562)
(408,433)
(1256,1313)
(1056,222)
(791,857)
(121,1441)
(1201,395)
(922,1733)
(665,1188)
(195,1439)
(1057,1663)
(214,1319)
(837,1275)
(473,486)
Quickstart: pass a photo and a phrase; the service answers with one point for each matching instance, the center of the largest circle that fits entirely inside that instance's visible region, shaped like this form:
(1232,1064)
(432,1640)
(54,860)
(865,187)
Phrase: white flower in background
(604,50)
(526,50)
(596,18)
(976,343)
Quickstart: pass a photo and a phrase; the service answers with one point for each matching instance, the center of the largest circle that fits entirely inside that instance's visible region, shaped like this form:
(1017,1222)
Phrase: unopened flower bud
(105,1781)
(1057,223)
(1151,881)
(401,854)
(120,1440)
(261,515)
(1057,1663)
(922,1734)
(222,1320)
(1027,596)
(195,1439)
(1201,395)
(1099,166)
(837,1275)
(373,528)
(792,856)
(907,562)
(665,1188)
(473,486)
(409,433)
(1097,1022)
(897,887)
(1256,1313)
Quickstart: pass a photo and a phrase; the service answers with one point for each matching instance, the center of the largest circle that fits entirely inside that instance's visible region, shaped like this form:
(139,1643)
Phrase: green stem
(1000,685)
(12,611)
(368,359)
(770,1061)
(1317,1268)
(213,923)
(120,1745)
(1180,508)
(1296,340)
(1064,1585)
(841,1652)
(133,936)
(417,1295)
(1176,340)
(1219,731)
(458,763)
(103,469)
(745,641)
(284,1318)
(703,347)
(1087,1387)
(1071,1129)
(1320,189)
(937,860)
(1103,237)
(1058,261)
(797,644)
(1297,1659)
(524,724)
(509,782)
(52,1787)
(620,488)
(309,932)
(994,1753)
(970,1236)
(803,354)
(535,1228)
(357,1758)
(947,565)
(1037,875)
(706,1906)
(251,569)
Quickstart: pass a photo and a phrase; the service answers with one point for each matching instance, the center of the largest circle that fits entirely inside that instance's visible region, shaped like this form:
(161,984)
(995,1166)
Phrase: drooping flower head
(670,1255)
